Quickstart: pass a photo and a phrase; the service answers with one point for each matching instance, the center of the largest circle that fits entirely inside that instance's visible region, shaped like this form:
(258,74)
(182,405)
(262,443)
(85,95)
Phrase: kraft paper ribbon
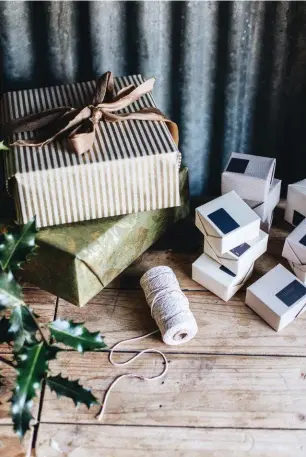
(78,125)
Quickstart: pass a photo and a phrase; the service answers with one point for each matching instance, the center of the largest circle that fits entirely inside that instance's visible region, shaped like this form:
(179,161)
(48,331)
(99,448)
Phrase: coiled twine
(169,305)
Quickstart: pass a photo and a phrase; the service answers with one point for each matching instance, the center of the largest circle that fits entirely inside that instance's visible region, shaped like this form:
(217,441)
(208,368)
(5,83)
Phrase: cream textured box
(294,250)
(265,208)
(250,176)
(132,166)
(227,221)
(278,297)
(239,259)
(217,278)
(296,203)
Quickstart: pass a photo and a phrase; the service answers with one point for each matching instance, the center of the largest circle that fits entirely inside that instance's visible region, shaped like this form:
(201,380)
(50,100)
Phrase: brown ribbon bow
(79,125)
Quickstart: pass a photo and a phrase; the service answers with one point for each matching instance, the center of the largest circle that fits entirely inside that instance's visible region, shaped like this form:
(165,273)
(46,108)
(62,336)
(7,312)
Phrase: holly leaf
(23,327)
(16,245)
(5,335)
(71,389)
(3,147)
(32,366)
(10,291)
(76,336)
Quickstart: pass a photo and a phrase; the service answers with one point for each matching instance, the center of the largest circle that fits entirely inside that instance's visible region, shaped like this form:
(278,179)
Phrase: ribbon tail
(146,114)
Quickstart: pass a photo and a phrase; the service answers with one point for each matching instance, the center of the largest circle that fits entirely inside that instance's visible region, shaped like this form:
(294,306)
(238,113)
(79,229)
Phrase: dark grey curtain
(233,75)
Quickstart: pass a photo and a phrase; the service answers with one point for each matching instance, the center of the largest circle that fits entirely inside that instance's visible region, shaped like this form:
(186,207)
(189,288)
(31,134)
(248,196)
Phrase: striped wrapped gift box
(133,165)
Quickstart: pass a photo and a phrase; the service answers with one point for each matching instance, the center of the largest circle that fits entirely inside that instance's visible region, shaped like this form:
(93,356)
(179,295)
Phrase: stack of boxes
(232,242)
(252,178)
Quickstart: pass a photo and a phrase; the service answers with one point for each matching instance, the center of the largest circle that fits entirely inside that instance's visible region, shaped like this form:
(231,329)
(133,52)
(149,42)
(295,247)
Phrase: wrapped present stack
(232,242)
(99,167)
(252,178)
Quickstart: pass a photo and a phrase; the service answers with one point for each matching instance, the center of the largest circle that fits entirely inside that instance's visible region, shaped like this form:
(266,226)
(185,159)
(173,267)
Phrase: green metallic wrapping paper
(77,261)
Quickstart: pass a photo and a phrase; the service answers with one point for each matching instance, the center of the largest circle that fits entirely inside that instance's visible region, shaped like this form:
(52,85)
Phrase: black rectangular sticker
(237,165)
(297,218)
(303,240)
(292,293)
(226,270)
(223,220)
(241,249)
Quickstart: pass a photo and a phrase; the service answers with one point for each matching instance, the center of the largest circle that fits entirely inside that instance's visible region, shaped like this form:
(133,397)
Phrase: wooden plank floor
(237,389)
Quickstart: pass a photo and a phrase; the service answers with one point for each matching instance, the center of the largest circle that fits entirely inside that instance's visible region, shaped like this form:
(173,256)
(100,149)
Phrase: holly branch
(32,347)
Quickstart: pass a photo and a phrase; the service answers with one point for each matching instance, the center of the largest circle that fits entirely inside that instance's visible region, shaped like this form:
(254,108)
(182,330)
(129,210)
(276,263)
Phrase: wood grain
(231,328)
(10,445)
(198,391)
(96,441)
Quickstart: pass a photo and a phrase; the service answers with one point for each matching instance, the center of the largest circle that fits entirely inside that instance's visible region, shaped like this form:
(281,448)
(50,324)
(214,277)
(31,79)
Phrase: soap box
(296,203)
(250,176)
(227,221)
(278,297)
(294,250)
(217,278)
(266,225)
(239,259)
(265,208)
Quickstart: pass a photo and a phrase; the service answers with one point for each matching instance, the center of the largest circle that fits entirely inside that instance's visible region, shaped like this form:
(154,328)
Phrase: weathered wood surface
(237,389)
(198,391)
(86,440)
(224,328)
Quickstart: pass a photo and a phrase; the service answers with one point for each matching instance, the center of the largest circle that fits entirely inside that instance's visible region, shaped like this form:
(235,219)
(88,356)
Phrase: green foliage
(16,245)
(31,352)
(71,389)
(32,366)
(3,147)
(10,291)
(76,336)
(22,326)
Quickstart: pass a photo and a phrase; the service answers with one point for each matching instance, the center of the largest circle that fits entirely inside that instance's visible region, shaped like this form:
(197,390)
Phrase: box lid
(226,214)
(280,290)
(250,165)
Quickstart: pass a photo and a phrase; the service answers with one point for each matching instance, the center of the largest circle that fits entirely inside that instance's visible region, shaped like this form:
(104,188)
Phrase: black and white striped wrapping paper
(133,165)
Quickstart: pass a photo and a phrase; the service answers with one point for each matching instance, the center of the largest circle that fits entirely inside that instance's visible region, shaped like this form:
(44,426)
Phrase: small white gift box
(227,221)
(294,250)
(217,278)
(265,208)
(250,176)
(239,259)
(278,297)
(267,224)
(296,203)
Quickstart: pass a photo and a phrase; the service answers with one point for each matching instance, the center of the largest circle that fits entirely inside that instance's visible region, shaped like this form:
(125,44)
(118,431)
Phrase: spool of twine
(170,310)
(169,305)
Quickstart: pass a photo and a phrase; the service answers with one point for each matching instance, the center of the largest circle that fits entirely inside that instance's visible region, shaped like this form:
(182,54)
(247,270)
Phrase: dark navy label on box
(292,293)
(237,165)
(297,218)
(303,240)
(226,270)
(223,220)
(239,250)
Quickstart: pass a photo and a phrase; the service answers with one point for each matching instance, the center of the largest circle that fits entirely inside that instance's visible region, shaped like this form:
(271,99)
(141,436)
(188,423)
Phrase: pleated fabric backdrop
(233,75)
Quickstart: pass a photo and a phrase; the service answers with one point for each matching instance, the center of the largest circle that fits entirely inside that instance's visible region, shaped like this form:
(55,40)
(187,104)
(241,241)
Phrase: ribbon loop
(78,125)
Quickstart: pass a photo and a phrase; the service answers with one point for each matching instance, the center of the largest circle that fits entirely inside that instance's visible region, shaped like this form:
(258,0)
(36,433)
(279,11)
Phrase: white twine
(170,309)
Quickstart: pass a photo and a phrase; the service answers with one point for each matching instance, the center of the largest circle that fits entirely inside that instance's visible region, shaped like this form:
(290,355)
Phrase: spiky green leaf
(71,389)
(5,335)
(76,336)
(22,326)
(3,147)
(32,366)
(16,245)
(10,291)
